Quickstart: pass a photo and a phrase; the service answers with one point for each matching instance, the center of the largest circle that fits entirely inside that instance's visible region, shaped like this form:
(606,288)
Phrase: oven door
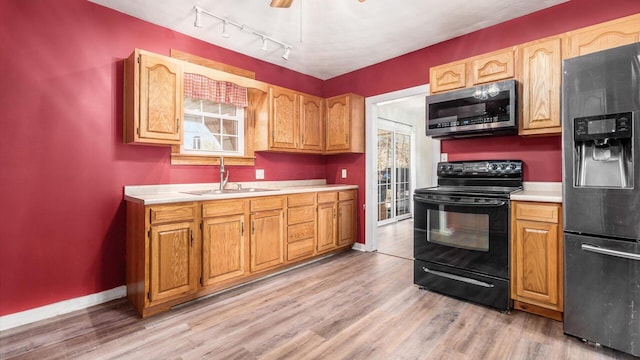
(465,232)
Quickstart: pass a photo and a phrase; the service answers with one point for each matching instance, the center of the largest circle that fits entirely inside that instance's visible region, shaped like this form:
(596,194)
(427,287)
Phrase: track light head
(287,51)
(225,34)
(198,22)
(265,44)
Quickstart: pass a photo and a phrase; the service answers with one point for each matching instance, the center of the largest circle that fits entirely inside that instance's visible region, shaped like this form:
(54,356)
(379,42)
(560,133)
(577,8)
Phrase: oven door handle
(487,203)
(457,277)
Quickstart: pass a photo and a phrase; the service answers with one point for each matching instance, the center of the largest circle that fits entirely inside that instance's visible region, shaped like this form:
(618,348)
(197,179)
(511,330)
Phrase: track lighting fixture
(287,51)
(265,39)
(198,22)
(225,34)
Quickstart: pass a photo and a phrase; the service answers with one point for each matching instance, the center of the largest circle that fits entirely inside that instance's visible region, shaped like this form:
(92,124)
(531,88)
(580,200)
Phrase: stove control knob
(513,166)
(494,166)
(450,167)
(503,166)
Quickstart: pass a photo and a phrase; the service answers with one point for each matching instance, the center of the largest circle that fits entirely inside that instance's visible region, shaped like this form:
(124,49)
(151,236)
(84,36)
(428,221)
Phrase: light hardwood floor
(396,239)
(353,305)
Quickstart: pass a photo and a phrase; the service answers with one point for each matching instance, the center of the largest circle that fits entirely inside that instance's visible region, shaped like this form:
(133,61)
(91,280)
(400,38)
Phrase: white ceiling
(329,37)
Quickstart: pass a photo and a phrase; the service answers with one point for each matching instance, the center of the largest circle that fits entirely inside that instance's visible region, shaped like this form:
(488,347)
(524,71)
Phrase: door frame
(371,180)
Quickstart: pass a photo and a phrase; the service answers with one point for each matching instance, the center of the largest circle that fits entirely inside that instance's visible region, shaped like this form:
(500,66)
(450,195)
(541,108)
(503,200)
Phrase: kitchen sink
(226,191)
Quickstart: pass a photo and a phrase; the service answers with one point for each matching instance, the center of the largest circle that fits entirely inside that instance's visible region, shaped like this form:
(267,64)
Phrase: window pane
(191,104)
(230,127)
(228,109)
(212,125)
(192,123)
(230,143)
(210,107)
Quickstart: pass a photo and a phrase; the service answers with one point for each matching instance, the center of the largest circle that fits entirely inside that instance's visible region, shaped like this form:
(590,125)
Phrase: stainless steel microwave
(489,109)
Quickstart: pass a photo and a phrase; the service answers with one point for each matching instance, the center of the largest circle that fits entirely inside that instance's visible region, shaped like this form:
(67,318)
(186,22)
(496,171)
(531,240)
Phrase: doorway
(407,107)
(394,170)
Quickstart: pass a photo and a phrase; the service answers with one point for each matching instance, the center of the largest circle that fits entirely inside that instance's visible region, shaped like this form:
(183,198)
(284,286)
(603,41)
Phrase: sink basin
(225,191)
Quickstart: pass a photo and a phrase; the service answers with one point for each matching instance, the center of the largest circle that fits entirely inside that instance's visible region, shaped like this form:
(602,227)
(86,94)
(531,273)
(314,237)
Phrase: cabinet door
(448,77)
(223,250)
(284,118)
(311,123)
(160,99)
(603,36)
(537,263)
(541,76)
(338,123)
(493,67)
(267,239)
(173,268)
(346,222)
(327,227)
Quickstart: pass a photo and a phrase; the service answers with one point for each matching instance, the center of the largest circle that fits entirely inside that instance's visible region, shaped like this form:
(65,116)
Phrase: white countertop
(539,191)
(173,193)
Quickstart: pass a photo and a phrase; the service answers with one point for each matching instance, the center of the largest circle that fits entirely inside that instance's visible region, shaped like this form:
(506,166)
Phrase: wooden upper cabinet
(603,36)
(491,67)
(152,99)
(284,118)
(345,124)
(311,123)
(540,80)
(448,77)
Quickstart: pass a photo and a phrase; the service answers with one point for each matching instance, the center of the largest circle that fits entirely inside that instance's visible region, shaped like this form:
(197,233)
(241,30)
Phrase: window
(212,128)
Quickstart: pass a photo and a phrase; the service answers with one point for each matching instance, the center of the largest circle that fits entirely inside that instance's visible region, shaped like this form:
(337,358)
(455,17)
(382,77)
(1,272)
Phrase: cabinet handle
(178,124)
(334,213)
(242,228)
(253,227)
(191,235)
(346,138)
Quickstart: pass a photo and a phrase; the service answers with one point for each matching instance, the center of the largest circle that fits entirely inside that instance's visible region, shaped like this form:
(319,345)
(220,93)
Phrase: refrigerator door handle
(610,252)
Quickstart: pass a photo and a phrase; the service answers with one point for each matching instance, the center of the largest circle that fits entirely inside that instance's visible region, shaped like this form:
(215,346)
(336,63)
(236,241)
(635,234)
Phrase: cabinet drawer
(346,195)
(224,207)
(267,203)
(330,196)
(537,212)
(301,231)
(169,213)
(301,199)
(301,214)
(300,249)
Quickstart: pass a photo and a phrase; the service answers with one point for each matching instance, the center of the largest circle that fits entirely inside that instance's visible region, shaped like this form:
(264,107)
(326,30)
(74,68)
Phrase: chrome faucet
(223,179)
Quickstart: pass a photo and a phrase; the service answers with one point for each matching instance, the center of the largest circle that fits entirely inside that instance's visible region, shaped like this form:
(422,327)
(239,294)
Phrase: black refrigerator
(601,197)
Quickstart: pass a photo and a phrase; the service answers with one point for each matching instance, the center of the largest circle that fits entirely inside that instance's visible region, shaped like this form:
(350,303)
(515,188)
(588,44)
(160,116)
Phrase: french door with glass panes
(394,166)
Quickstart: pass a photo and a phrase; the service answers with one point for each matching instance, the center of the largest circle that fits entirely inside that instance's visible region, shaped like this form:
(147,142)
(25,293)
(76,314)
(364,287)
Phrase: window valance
(201,87)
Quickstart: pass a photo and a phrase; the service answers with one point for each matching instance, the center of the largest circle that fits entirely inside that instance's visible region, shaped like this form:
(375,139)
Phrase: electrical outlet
(344,173)
(444,157)
(259,174)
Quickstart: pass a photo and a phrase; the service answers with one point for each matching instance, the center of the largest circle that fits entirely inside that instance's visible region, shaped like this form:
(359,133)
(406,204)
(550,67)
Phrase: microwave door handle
(428,200)
(611,252)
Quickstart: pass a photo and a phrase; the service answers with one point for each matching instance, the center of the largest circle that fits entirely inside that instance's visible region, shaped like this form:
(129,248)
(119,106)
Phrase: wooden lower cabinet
(301,226)
(179,252)
(346,218)
(224,249)
(267,239)
(536,258)
(173,266)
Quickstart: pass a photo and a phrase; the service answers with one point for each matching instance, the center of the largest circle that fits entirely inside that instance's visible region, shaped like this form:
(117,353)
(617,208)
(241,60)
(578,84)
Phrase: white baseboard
(359,247)
(59,308)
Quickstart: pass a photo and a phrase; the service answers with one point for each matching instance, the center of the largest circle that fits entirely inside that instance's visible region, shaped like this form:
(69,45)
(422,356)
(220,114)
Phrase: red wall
(63,165)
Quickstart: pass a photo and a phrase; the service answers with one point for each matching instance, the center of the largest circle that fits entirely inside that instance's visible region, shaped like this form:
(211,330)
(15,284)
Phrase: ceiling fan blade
(281,3)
